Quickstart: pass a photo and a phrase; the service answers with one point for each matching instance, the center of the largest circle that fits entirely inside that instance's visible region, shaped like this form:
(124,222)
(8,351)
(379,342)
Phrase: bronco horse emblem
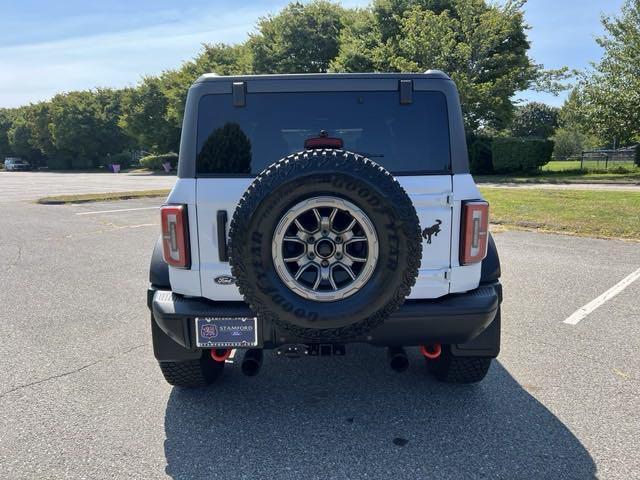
(433,230)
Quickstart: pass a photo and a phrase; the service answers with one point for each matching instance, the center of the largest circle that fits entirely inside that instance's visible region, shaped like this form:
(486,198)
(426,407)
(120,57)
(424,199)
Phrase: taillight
(175,235)
(475,232)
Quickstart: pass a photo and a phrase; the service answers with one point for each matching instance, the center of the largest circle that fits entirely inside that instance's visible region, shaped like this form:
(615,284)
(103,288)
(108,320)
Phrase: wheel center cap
(325,248)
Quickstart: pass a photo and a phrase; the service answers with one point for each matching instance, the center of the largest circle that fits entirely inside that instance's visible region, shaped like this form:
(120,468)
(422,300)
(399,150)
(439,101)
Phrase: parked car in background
(15,164)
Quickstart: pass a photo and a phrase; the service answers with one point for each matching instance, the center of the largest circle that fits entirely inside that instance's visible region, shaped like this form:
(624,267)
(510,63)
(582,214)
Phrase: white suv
(313,211)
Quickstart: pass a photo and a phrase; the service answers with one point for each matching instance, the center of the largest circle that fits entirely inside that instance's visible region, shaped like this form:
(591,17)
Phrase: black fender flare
(159,270)
(491,264)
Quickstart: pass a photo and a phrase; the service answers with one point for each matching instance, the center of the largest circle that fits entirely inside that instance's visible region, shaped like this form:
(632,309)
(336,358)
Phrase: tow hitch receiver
(293,351)
(326,349)
(311,350)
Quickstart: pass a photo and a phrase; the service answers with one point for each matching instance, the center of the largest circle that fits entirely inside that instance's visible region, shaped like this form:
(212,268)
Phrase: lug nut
(338,240)
(325,233)
(311,255)
(311,240)
(338,255)
(325,263)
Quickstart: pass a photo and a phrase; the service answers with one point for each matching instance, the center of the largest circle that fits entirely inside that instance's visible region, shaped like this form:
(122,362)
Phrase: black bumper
(457,319)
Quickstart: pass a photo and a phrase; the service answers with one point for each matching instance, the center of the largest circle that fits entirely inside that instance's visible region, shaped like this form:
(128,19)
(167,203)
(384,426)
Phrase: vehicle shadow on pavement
(353,417)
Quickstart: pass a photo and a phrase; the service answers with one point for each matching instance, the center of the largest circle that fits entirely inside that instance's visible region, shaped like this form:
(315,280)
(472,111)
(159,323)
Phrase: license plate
(220,332)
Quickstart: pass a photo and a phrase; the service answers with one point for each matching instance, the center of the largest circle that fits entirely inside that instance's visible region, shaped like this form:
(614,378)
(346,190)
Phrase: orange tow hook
(220,355)
(431,351)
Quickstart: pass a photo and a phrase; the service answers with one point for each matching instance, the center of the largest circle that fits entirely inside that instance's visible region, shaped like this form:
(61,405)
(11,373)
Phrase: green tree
(20,137)
(482,46)
(534,119)
(145,118)
(219,58)
(302,38)
(6,120)
(609,105)
(27,132)
(568,143)
(84,126)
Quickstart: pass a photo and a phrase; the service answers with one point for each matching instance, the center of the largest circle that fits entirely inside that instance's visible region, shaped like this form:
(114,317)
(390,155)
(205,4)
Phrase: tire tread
(191,373)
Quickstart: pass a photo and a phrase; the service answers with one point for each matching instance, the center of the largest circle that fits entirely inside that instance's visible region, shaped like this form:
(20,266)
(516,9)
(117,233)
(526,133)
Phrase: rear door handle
(221,219)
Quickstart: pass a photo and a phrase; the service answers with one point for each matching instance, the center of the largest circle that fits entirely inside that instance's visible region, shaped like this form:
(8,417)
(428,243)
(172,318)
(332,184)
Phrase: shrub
(520,154)
(154,162)
(636,158)
(480,155)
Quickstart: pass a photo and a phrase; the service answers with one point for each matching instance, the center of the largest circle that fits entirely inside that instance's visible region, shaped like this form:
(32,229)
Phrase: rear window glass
(405,139)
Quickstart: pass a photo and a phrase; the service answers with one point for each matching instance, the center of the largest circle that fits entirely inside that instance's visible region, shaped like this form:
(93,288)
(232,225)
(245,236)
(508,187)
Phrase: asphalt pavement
(23,186)
(81,395)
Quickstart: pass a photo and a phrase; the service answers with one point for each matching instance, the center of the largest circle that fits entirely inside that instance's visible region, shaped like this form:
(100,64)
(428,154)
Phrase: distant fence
(604,159)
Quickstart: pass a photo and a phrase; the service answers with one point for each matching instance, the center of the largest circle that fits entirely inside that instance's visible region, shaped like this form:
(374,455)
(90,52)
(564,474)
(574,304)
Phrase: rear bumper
(455,319)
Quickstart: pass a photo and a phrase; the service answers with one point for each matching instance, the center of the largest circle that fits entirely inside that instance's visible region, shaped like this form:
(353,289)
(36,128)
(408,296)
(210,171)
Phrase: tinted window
(404,139)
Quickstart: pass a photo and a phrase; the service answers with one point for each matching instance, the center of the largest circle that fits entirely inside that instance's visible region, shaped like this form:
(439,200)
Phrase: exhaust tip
(431,352)
(398,360)
(252,362)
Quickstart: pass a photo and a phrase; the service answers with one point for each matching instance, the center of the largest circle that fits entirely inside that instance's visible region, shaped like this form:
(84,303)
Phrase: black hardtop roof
(429,74)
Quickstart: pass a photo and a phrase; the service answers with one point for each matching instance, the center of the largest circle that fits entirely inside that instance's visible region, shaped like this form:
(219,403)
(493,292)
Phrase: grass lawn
(593,166)
(569,172)
(562,177)
(606,214)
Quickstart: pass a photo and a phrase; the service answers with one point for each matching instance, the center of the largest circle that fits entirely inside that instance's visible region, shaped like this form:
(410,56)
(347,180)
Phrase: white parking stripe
(608,295)
(114,211)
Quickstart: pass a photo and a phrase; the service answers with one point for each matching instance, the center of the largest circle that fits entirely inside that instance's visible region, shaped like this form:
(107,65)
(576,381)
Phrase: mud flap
(487,344)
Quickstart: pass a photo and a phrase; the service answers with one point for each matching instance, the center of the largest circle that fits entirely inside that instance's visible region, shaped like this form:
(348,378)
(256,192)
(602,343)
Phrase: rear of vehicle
(369,229)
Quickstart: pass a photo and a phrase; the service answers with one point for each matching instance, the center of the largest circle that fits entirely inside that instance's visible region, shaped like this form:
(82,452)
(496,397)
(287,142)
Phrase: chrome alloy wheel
(325,249)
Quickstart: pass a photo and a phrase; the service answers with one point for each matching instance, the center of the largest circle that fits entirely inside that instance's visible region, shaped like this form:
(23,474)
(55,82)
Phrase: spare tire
(325,244)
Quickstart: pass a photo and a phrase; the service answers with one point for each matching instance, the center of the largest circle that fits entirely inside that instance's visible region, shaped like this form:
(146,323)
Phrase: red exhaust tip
(220,355)
(431,351)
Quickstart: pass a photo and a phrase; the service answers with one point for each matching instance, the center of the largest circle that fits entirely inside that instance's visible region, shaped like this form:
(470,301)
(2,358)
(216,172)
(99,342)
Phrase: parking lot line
(582,312)
(115,211)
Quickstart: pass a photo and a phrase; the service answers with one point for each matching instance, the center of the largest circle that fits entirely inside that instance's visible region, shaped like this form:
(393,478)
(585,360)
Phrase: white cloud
(37,71)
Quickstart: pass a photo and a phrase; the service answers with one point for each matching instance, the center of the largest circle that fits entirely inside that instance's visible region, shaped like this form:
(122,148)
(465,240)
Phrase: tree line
(482,46)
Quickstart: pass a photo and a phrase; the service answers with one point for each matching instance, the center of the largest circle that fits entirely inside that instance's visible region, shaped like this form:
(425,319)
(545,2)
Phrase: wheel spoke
(319,219)
(356,239)
(354,258)
(347,230)
(297,258)
(294,239)
(325,224)
(331,279)
(301,227)
(303,269)
(323,274)
(332,217)
(348,270)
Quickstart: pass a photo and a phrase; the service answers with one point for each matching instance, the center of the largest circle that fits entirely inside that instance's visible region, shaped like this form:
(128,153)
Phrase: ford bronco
(318,210)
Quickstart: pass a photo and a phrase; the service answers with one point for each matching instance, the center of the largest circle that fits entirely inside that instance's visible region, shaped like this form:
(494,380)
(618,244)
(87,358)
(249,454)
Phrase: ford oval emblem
(225,280)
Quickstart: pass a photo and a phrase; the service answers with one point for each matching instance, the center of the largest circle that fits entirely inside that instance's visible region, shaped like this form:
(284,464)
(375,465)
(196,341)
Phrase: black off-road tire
(192,373)
(451,369)
(350,177)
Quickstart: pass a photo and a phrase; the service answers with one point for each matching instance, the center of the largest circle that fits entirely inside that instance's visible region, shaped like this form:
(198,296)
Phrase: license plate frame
(226,332)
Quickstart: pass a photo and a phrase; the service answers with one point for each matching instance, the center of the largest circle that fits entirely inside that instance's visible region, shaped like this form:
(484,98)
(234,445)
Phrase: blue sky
(47,47)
